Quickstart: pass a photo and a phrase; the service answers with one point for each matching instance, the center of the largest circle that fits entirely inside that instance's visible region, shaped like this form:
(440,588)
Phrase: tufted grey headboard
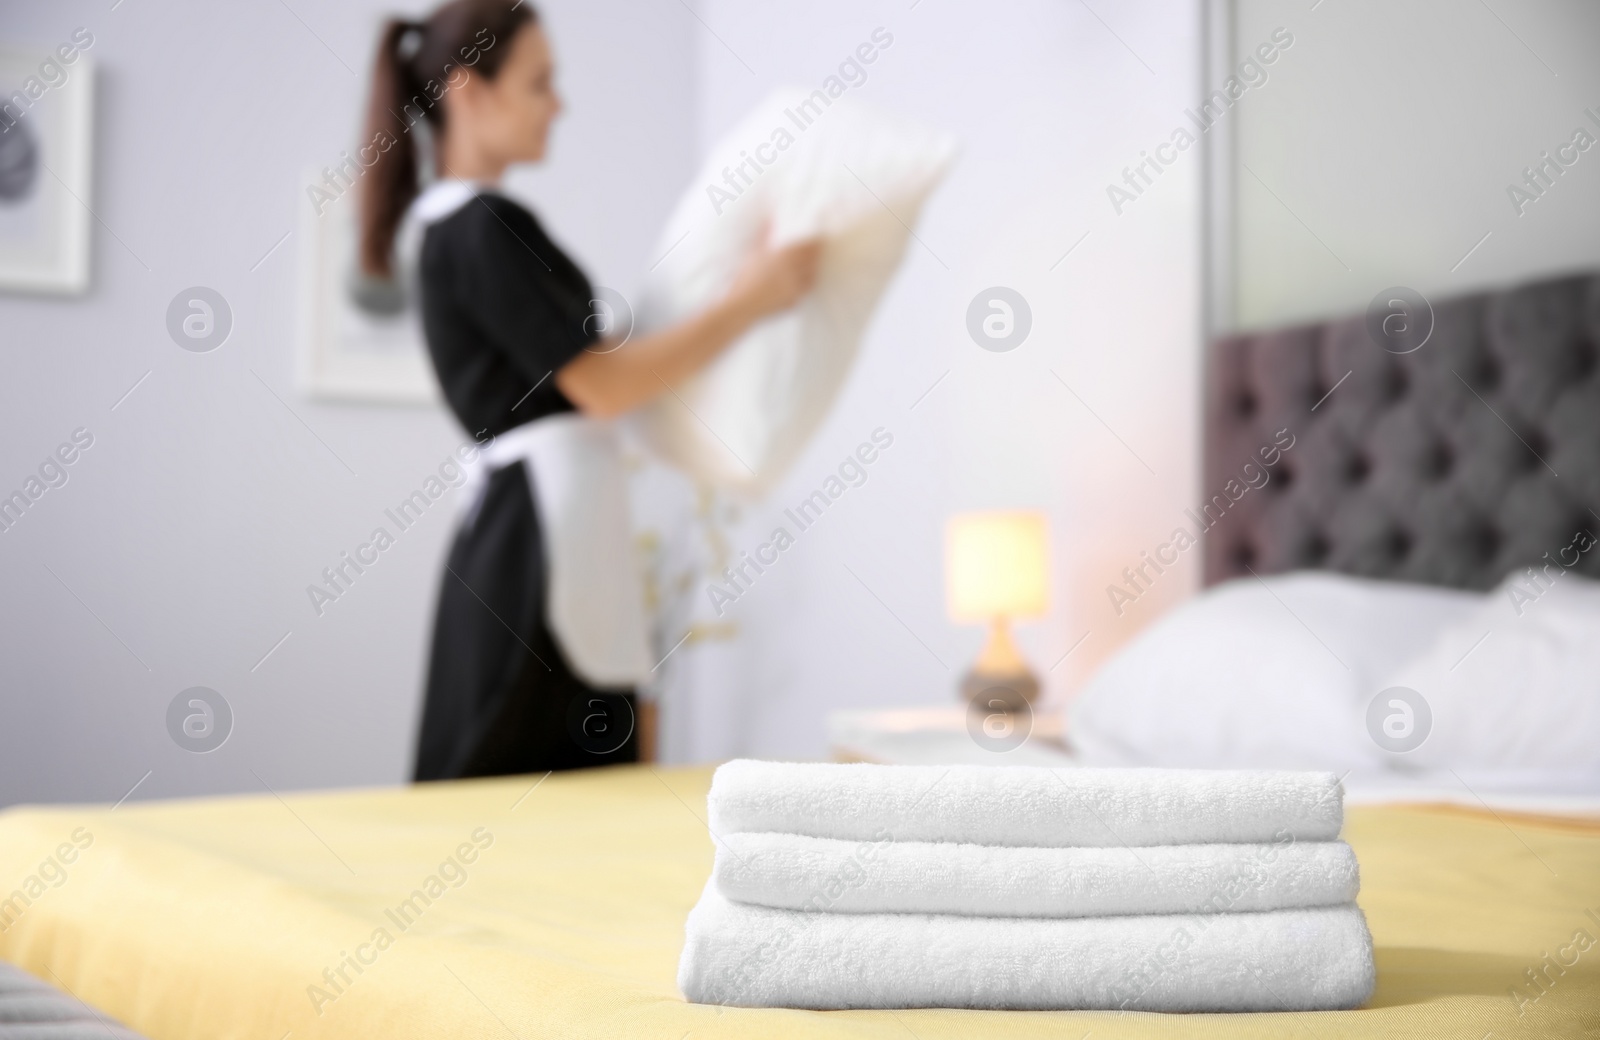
(1450,465)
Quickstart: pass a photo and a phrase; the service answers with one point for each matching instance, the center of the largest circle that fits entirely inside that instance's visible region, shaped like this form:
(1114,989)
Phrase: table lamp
(996,570)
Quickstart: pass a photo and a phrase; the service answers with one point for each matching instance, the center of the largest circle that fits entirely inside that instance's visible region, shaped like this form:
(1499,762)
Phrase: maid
(538,635)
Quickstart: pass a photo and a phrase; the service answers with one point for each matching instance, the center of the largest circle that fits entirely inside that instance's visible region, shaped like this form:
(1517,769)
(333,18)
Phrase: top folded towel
(1024,805)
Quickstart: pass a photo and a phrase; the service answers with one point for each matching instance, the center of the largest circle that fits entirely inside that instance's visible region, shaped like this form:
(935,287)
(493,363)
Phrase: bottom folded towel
(1280,960)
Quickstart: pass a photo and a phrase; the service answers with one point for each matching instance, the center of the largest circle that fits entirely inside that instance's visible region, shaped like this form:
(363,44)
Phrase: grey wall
(1380,151)
(179,551)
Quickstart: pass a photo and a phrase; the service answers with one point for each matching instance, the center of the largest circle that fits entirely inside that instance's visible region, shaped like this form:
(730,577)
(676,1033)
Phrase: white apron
(594,600)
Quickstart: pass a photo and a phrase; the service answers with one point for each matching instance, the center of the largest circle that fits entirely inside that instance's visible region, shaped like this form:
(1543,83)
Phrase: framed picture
(353,345)
(46,132)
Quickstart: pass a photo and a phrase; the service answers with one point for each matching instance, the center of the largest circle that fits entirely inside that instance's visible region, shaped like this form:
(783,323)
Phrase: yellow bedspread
(557,909)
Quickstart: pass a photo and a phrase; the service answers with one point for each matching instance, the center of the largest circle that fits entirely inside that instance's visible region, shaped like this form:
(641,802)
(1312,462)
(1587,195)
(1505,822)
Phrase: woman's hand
(774,280)
(608,383)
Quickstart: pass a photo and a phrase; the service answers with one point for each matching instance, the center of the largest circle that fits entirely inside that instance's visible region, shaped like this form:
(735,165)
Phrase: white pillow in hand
(1514,687)
(847,173)
(1259,673)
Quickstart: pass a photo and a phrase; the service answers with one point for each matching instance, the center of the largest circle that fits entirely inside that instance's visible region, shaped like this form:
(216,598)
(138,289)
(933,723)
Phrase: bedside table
(940,736)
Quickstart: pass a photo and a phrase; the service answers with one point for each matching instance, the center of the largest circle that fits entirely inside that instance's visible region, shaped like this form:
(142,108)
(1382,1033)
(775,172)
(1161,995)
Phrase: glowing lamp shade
(996,566)
(997,570)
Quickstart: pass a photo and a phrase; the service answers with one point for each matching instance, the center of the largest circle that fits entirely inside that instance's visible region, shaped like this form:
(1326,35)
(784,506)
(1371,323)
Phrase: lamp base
(1012,691)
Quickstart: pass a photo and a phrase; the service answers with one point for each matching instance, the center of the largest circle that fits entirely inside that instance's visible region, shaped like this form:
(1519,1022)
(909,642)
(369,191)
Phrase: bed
(554,907)
(224,918)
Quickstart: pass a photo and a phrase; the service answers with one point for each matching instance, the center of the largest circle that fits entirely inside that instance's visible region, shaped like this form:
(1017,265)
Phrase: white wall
(1391,131)
(1049,107)
(192,527)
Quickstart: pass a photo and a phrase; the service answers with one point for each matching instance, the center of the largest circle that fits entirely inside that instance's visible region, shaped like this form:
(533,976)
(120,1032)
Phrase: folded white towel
(796,872)
(1281,960)
(1024,805)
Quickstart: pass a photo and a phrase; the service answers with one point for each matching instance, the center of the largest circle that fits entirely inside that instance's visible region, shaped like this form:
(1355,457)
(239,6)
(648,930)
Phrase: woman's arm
(617,381)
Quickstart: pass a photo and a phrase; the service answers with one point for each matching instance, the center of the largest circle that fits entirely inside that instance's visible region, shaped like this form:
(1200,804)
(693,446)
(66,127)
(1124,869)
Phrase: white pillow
(835,165)
(1259,674)
(1515,686)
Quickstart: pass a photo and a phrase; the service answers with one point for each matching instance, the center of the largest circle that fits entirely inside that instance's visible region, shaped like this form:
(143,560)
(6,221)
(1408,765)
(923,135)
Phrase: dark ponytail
(417,62)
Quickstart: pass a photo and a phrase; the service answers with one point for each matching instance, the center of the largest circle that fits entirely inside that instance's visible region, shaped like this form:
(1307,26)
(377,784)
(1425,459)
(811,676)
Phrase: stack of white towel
(865,886)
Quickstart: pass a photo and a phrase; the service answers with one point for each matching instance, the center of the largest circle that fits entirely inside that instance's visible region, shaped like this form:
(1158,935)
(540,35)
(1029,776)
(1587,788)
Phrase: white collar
(442,198)
(437,201)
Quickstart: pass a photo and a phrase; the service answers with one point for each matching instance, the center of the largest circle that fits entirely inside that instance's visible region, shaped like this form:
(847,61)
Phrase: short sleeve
(520,290)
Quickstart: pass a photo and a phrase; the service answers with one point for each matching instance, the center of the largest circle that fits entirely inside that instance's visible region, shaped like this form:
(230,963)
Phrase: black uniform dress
(503,308)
